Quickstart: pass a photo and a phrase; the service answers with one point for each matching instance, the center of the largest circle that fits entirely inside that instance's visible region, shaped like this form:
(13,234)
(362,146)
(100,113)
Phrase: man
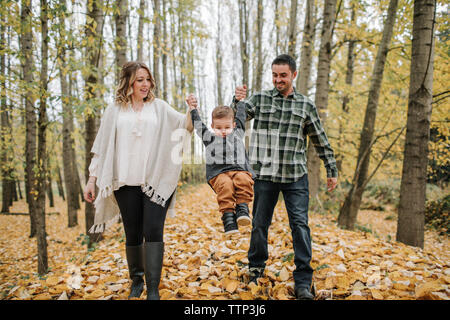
(282,119)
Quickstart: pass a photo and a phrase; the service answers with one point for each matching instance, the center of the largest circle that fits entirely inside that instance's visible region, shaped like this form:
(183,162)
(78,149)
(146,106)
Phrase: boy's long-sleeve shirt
(224,153)
(277,149)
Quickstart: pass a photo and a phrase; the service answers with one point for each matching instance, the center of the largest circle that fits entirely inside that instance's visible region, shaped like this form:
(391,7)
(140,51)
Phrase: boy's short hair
(286,59)
(220,112)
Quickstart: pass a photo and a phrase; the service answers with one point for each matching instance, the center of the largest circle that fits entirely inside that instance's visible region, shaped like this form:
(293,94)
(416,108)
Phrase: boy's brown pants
(232,187)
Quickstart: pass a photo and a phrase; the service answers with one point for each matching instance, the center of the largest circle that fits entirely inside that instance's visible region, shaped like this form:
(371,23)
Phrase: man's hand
(240,92)
(191,101)
(331,184)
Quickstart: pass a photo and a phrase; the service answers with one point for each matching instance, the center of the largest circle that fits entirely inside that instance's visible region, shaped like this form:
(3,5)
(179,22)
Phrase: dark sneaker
(229,223)
(303,294)
(242,215)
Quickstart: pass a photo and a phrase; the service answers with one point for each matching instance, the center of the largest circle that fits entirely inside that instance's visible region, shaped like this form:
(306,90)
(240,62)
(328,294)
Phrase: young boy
(228,171)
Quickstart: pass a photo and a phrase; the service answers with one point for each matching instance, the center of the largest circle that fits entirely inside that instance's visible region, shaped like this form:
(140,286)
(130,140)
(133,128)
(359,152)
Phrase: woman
(134,169)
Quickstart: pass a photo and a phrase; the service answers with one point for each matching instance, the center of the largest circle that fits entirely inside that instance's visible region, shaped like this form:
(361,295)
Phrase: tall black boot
(154,254)
(135,259)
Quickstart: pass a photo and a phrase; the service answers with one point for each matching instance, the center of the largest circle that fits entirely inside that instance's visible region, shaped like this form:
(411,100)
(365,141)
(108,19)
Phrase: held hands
(240,92)
(191,101)
(89,190)
(331,184)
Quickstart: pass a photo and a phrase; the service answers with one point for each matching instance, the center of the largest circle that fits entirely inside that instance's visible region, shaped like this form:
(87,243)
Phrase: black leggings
(142,218)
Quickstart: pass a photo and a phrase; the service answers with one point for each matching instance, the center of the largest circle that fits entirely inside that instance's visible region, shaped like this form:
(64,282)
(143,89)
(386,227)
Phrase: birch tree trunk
(309,30)
(411,211)
(349,210)
(322,86)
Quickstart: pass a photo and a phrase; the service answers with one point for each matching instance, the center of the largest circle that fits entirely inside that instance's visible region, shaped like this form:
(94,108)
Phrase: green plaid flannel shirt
(277,150)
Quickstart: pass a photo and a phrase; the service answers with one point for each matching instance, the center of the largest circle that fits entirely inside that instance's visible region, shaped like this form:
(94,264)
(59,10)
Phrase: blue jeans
(296,199)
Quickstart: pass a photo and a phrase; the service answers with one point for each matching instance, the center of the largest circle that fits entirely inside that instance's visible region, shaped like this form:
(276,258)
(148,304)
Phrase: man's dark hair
(286,59)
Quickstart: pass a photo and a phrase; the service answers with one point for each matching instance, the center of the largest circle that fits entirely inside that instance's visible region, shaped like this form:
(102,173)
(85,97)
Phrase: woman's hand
(89,190)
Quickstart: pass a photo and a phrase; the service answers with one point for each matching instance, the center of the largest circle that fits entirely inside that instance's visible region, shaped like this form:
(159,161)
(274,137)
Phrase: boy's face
(223,126)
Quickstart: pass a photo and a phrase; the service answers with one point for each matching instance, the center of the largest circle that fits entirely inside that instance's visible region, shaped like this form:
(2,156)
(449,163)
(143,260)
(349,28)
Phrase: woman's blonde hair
(126,81)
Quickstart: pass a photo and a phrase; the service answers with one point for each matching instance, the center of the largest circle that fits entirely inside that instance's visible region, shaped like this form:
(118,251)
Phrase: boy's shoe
(242,214)
(229,223)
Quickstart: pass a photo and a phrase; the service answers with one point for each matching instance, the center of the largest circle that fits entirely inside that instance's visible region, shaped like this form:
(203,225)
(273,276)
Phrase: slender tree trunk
(322,86)
(219,56)
(165,48)
(140,37)
(259,55)
(93,31)
(277,28)
(6,129)
(342,121)
(411,211)
(309,31)
(156,44)
(292,29)
(121,35)
(68,141)
(42,146)
(26,46)
(60,183)
(243,39)
(352,202)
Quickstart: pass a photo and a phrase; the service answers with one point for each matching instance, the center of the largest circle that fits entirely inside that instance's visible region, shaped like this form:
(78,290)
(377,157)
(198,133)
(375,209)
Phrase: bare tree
(322,86)
(93,31)
(292,34)
(68,128)
(349,210)
(156,44)
(26,48)
(140,35)
(41,177)
(411,211)
(219,56)
(121,36)
(259,46)
(309,31)
(348,81)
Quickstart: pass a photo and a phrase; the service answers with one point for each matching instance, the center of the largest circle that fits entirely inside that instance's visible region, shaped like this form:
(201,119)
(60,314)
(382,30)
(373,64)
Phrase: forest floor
(201,263)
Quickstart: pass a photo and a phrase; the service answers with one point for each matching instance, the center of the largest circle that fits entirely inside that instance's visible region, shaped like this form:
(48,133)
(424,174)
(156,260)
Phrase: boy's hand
(240,92)
(191,101)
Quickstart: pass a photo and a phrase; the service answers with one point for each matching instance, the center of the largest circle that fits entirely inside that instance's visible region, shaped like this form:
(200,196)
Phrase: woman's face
(141,85)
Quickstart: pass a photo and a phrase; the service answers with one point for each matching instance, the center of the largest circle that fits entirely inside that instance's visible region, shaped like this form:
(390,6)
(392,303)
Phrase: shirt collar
(295,94)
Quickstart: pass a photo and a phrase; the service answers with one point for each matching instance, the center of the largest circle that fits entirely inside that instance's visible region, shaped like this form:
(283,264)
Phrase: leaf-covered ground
(201,263)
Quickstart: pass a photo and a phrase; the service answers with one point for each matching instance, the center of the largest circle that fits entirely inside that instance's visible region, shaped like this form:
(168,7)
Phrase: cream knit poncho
(162,173)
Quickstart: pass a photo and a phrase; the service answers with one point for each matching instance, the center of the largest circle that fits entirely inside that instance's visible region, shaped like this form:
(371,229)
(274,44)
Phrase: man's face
(223,126)
(282,78)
